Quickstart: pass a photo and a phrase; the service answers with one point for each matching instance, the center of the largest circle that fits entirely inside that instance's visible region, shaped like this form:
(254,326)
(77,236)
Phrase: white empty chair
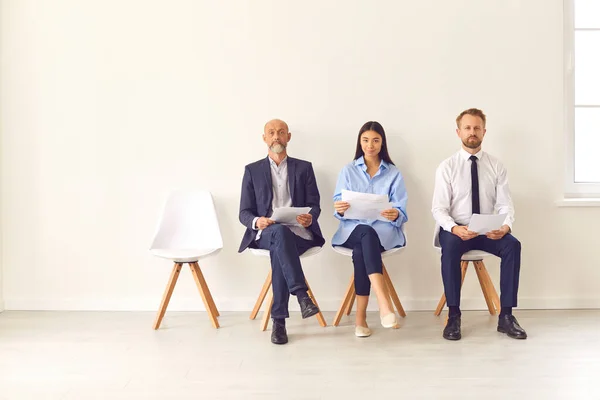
(188,231)
(476,257)
(348,302)
(266,288)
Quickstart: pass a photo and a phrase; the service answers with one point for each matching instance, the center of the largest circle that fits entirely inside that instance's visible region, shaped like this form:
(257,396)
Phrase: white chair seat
(267,253)
(348,252)
(475,255)
(184,255)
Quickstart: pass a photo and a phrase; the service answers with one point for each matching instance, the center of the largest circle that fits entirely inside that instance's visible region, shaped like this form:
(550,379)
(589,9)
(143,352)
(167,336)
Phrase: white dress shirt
(282,198)
(452,193)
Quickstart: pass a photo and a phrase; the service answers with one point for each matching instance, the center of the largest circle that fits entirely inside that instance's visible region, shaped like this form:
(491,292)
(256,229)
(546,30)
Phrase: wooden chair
(188,231)
(487,287)
(348,302)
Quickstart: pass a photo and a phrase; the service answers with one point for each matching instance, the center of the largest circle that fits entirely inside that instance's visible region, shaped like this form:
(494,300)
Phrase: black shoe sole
(309,314)
(502,330)
(452,337)
(279,342)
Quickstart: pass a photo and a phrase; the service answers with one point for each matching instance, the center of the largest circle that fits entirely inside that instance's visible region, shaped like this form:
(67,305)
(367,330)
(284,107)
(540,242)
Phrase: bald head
(276,124)
(277,136)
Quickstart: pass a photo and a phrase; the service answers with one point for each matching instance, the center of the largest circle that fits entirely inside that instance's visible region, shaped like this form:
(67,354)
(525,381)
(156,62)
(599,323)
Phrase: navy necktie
(474,185)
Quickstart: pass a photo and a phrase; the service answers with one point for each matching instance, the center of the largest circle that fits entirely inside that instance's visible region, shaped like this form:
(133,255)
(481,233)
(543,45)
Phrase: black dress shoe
(279,334)
(452,329)
(307,307)
(508,324)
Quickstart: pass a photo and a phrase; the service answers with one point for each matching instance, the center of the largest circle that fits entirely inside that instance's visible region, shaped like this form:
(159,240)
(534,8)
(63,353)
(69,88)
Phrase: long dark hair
(375,127)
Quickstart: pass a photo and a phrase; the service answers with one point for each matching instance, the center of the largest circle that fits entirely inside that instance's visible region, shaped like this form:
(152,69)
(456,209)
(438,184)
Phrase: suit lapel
(291,177)
(268,188)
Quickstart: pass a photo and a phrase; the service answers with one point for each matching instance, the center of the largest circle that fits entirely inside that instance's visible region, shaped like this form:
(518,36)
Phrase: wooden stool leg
(484,287)
(261,295)
(345,302)
(211,301)
(320,317)
(491,289)
(351,303)
(440,306)
(463,271)
(267,312)
(203,289)
(392,292)
(167,295)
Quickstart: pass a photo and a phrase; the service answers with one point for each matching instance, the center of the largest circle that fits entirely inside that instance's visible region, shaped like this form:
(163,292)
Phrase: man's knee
(511,244)
(450,243)
(279,230)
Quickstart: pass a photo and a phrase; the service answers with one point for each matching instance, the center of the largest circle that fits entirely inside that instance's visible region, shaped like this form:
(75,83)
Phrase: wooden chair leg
(463,271)
(440,306)
(484,287)
(261,295)
(491,289)
(210,299)
(345,302)
(351,303)
(320,317)
(492,293)
(203,289)
(167,295)
(267,313)
(392,292)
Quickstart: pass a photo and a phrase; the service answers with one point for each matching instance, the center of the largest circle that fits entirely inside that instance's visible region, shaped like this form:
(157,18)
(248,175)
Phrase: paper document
(348,195)
(484,223)
(365,205)
(287,215)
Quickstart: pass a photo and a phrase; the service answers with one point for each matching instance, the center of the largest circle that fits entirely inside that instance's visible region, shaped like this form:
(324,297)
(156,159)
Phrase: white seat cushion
(183,255)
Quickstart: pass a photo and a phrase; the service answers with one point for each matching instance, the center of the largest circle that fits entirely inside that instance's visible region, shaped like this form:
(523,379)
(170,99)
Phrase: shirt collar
(274,164)
(360,161)
(465,155)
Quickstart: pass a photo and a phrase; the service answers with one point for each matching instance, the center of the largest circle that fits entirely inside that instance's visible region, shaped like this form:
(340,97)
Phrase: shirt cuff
(254,223)
(449,225)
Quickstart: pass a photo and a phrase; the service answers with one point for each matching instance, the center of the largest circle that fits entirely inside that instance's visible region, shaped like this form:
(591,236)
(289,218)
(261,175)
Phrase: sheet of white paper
(360,209)
(484,223)
(349,196)
(287,215)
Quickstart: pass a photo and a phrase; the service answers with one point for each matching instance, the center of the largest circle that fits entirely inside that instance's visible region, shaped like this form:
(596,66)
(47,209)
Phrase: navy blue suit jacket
(257,196)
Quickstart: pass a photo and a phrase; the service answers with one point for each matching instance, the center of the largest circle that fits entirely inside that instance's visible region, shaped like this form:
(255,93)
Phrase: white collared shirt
(282,197)
(452,193)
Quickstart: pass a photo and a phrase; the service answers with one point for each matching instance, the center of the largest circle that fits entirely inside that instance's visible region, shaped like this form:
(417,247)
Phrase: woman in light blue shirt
(372,171)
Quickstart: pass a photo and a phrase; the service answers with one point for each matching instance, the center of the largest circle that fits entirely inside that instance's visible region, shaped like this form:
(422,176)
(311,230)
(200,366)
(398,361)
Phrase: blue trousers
(287,275)
(508,249)
(366,257)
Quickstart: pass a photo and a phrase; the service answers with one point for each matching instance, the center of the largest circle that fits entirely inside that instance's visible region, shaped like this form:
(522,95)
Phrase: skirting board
(246,304)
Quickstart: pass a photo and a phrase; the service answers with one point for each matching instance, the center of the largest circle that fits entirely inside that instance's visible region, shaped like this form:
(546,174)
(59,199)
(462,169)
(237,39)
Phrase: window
(582,91)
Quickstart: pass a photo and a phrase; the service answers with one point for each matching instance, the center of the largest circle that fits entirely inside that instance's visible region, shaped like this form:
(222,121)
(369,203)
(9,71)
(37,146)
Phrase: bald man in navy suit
(273,182)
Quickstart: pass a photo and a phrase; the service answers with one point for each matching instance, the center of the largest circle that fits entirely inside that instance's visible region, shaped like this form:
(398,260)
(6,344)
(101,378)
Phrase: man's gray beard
(277,148)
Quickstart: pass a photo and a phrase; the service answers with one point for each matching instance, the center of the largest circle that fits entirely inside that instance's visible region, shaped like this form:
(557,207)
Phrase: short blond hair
(475,112)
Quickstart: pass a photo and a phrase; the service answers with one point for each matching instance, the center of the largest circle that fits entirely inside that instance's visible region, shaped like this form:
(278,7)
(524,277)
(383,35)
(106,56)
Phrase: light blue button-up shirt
(388,180)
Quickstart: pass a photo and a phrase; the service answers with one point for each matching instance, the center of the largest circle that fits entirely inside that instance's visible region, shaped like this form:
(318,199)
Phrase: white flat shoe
(361,331)
(389,321)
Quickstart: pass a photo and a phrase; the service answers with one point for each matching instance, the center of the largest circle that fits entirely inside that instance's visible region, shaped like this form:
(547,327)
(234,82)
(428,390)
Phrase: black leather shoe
(307,307)
(508,324)
(279,334)
(452,329)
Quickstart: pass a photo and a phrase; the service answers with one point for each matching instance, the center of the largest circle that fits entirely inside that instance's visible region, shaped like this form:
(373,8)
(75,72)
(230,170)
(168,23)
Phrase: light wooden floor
(116,355)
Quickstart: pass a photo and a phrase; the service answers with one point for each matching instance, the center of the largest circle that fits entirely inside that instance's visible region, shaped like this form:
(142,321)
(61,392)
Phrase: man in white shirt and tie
(474,182)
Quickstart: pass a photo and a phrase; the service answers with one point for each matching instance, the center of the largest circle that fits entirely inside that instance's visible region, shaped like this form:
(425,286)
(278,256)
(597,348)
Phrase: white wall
(109,105)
